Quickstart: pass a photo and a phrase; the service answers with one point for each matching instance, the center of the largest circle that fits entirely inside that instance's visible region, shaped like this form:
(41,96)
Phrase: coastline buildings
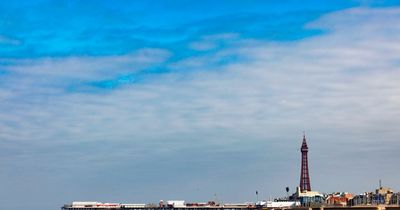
(381,196)
(382,199)
(338,199)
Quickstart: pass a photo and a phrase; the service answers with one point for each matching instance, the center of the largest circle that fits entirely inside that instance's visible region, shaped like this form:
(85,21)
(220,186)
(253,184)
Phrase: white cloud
(331,80)
(210,42)
(89,67)
(339,79)
(342,87)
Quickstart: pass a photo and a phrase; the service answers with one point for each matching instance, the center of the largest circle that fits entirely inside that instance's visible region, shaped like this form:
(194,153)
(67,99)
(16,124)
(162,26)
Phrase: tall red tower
(304,177)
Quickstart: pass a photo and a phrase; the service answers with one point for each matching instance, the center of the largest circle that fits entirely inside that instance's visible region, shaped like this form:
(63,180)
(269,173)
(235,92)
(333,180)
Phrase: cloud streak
(221,113)
(7,40)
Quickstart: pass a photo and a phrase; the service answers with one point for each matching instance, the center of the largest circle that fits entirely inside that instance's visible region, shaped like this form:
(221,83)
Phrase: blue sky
(137,101)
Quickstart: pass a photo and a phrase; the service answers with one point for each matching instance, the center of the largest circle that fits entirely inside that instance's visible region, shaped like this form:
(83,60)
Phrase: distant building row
(381,196)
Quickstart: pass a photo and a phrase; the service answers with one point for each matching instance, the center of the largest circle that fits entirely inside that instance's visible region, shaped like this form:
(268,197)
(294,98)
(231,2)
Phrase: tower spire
(304,176)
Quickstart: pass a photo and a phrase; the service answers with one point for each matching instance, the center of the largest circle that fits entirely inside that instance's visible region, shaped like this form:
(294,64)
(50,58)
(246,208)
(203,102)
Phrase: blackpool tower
(304,177)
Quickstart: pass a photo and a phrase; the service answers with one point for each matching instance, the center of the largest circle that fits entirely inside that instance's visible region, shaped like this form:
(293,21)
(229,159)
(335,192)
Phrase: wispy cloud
(210,42)
(8,40)
(335,80)
(229,110)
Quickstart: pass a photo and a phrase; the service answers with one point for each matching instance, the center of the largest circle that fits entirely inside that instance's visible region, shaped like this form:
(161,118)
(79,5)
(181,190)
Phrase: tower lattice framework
(304,177)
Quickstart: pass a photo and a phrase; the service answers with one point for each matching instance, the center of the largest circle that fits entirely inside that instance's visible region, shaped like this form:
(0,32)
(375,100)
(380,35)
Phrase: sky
(138,101)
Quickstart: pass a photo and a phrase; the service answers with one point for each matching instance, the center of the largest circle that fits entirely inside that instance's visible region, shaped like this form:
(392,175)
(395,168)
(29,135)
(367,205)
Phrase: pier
(68,207)
(378,207)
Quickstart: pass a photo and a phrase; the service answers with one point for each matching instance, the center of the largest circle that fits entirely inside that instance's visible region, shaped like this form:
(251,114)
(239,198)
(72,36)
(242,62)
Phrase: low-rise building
(381,196)
(338,199)
(395,199)
(309,198)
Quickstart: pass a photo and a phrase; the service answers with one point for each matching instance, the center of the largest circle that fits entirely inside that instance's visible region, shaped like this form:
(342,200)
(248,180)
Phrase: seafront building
(338,199)
(381,196)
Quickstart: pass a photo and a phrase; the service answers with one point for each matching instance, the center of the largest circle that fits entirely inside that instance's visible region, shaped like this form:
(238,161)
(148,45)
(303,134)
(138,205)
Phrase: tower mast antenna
(304,176)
